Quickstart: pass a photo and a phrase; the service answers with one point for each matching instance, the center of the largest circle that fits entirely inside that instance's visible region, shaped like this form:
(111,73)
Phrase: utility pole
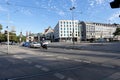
(8,17)
(72,8)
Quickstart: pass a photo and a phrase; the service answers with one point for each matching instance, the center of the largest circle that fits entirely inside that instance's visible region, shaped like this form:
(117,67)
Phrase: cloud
(114,16)
(100,1)
(2,9)
(25,11)
(93,3)
(73,2)
(5,21)
(61,13)
(49,2)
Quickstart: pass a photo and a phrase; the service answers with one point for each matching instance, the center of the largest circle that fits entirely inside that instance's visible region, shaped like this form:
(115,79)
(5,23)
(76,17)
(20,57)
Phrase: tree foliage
(117,32)
(0,27)
(3,38)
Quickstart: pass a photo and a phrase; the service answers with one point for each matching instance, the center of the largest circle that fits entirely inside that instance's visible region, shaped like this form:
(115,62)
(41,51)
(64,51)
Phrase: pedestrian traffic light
(115,4)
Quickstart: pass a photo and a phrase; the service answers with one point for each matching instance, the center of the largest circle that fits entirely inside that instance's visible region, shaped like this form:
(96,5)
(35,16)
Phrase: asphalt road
(58,64)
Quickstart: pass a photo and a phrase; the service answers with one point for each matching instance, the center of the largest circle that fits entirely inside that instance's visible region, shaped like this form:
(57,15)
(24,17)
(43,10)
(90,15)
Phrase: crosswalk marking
(59,75)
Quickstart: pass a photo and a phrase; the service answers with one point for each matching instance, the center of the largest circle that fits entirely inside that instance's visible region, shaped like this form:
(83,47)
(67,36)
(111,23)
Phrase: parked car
(26,44)
(35,45)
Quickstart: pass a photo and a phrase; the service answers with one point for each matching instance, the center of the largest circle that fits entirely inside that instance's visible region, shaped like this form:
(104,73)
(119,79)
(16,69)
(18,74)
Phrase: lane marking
(115,76)
(87,61)
(107,65)
(38,66)
(59,75)
(45,69)
(16,56)
(66,58)
(78,60)
(28,61)
(42,68)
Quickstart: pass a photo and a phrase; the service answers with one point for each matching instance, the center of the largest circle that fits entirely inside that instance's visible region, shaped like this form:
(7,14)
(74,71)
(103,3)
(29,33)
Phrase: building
(90,30)
(49,34)
(67,30)
(29,37)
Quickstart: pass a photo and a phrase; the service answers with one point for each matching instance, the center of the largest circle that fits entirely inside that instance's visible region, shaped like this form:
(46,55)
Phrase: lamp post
(72,8)
(8,29)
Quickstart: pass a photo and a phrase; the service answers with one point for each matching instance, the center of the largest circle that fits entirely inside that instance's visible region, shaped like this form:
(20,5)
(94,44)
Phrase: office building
(67,30)
(90,30)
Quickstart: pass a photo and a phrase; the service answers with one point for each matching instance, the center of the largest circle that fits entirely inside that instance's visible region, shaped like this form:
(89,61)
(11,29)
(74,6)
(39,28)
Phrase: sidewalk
(12,49)
(109,47)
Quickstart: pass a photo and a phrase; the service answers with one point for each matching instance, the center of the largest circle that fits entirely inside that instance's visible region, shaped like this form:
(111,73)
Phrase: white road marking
(42,68)
(107,65)
(60,57)
(87,61)
(38,66)
(45,69)
(48,55)
(78,60)
(66,58)
(28,61)
(115,76)
(16,56)
(59,75)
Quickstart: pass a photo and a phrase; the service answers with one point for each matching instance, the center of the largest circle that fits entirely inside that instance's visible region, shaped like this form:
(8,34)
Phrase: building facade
(91,30)
(67,30)
(49,34)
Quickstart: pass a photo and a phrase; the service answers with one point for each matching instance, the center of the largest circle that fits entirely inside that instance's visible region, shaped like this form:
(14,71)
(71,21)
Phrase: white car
(35,45)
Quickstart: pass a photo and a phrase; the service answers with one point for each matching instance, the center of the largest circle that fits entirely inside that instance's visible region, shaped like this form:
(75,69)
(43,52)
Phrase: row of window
(69,35)
(69,28)
(68,32)
(64,22)
(68,25)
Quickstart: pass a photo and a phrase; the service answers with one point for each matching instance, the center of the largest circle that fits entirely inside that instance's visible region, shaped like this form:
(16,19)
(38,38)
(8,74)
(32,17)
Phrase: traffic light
(5,32)
(115,4)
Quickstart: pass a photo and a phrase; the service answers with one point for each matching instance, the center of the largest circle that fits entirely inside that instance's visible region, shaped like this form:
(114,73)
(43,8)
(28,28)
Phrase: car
(35,45)
(26,44)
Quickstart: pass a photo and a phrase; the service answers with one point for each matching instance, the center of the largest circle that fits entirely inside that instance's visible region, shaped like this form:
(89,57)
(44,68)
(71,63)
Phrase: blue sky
(37,15)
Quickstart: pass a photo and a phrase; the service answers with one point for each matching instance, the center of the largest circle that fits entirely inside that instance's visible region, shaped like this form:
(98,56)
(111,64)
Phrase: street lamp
(8,16)
(72,8)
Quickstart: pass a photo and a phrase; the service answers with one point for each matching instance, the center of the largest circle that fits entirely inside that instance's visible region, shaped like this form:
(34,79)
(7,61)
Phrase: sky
(36,15)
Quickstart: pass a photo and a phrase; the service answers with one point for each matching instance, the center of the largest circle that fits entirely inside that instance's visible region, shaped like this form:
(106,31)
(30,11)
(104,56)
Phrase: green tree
(23,38)
(12,36)
(0,28)
(117,32)
(3,38)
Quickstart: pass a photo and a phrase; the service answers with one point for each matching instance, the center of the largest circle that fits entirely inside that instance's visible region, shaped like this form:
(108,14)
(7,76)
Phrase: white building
(48,33)
(67,30)
(91,30)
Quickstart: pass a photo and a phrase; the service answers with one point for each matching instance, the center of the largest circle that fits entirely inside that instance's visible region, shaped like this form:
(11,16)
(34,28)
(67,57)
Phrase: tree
(23,38)
(3,37)
(117,32)
(0,28)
